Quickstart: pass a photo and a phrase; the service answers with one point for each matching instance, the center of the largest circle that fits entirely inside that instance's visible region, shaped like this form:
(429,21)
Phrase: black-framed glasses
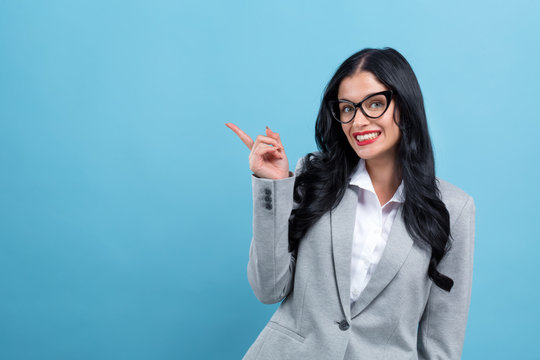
(373,106)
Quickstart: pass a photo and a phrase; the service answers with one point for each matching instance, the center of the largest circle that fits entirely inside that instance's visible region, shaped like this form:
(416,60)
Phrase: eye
(377,104)
(347,109)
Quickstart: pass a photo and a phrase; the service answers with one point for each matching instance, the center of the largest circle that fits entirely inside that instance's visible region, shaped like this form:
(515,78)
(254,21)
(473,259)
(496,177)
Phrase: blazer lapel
(398,246)
(342,220)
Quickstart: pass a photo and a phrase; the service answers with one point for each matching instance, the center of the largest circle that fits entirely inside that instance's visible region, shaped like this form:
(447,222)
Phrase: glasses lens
(375,105)
(342,111)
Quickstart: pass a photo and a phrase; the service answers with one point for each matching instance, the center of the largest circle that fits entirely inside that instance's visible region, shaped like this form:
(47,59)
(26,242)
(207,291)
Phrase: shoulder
(301,161)
(450,191)
(456,199)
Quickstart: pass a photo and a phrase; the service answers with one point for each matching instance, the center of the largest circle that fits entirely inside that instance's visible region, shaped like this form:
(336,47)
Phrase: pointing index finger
(242,135)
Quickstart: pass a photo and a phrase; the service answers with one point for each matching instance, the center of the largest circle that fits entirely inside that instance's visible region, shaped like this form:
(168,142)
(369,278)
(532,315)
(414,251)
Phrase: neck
(384,173)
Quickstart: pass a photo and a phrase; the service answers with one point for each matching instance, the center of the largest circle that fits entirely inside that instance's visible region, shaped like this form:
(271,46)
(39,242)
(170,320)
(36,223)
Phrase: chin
(364,154)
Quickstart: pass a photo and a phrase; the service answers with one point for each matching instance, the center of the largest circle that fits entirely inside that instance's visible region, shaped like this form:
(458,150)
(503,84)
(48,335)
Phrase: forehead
(359,85)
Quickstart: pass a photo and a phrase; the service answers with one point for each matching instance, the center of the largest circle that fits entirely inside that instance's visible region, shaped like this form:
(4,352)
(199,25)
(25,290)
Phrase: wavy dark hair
(324,176)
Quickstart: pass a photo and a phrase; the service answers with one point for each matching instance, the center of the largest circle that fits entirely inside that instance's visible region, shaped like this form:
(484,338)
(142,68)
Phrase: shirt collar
(360,177)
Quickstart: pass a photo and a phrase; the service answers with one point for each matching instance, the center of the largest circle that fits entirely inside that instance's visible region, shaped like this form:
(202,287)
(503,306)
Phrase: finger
(242,135)
(267,149)
(261,139)
(274,135)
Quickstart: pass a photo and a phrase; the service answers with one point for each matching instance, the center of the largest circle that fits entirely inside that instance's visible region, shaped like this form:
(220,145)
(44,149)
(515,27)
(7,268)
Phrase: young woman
(371,253)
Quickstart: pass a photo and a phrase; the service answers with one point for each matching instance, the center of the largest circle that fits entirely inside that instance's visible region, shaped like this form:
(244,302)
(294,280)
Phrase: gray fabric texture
(401,314)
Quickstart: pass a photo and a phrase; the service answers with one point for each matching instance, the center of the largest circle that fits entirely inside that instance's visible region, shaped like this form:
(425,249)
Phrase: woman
(371,253)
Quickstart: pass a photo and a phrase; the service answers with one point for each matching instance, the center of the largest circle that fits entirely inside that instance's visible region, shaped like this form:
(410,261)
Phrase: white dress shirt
(372,226)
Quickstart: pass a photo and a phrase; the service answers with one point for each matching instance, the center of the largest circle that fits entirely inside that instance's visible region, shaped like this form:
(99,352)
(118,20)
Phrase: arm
(271,267)
(441,331)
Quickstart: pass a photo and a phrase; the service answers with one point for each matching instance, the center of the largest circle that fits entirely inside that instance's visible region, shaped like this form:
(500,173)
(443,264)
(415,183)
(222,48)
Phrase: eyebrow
(376,92)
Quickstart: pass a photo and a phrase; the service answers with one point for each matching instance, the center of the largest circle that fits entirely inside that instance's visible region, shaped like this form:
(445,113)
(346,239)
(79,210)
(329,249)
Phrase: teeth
(367,136)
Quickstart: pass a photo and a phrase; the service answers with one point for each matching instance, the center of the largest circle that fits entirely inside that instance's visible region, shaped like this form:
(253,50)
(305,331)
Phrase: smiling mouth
(366,137)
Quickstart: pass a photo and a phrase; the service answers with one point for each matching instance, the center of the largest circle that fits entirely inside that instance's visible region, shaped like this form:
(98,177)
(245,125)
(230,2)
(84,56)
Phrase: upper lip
(365,132)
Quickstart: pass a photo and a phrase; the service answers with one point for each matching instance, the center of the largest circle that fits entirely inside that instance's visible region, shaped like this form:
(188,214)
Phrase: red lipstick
(365,142)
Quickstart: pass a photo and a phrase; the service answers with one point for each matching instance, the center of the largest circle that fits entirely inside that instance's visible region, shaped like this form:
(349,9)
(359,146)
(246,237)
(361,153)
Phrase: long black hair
(324,177)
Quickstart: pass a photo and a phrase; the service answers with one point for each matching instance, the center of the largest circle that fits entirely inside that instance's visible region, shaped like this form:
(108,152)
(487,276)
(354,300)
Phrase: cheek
(395,130)
(396,133)
(345,128)
(392,130)
(391,126)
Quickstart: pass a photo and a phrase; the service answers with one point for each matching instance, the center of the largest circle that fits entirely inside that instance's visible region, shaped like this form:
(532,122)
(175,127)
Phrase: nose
(359,118)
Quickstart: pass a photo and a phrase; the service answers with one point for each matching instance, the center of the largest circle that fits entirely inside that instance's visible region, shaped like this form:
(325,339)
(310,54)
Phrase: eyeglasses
(373,106)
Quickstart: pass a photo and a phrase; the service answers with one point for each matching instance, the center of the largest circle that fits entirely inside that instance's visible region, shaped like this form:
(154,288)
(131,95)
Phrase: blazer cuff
(291,174)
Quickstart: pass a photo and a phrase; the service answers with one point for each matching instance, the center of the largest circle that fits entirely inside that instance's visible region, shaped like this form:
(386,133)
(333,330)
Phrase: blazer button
(268,206)
(344,325)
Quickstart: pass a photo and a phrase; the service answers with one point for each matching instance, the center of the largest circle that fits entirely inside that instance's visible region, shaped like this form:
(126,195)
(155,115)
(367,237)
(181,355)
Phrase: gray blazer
(400,314)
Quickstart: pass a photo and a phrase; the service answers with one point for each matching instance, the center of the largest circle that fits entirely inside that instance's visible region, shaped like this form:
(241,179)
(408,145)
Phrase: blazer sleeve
(270,269)
(441,331)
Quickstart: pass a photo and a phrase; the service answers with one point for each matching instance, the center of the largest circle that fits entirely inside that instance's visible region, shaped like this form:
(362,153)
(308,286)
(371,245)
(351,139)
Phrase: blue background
(125,202)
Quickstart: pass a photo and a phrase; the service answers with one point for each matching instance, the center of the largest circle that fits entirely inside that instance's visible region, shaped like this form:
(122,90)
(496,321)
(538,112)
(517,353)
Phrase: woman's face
(355,88)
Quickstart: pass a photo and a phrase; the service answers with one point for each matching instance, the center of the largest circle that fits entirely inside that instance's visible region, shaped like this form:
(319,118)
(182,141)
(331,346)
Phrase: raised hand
(267,158)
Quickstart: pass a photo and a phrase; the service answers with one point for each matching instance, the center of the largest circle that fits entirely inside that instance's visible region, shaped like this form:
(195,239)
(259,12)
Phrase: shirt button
(343,325)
